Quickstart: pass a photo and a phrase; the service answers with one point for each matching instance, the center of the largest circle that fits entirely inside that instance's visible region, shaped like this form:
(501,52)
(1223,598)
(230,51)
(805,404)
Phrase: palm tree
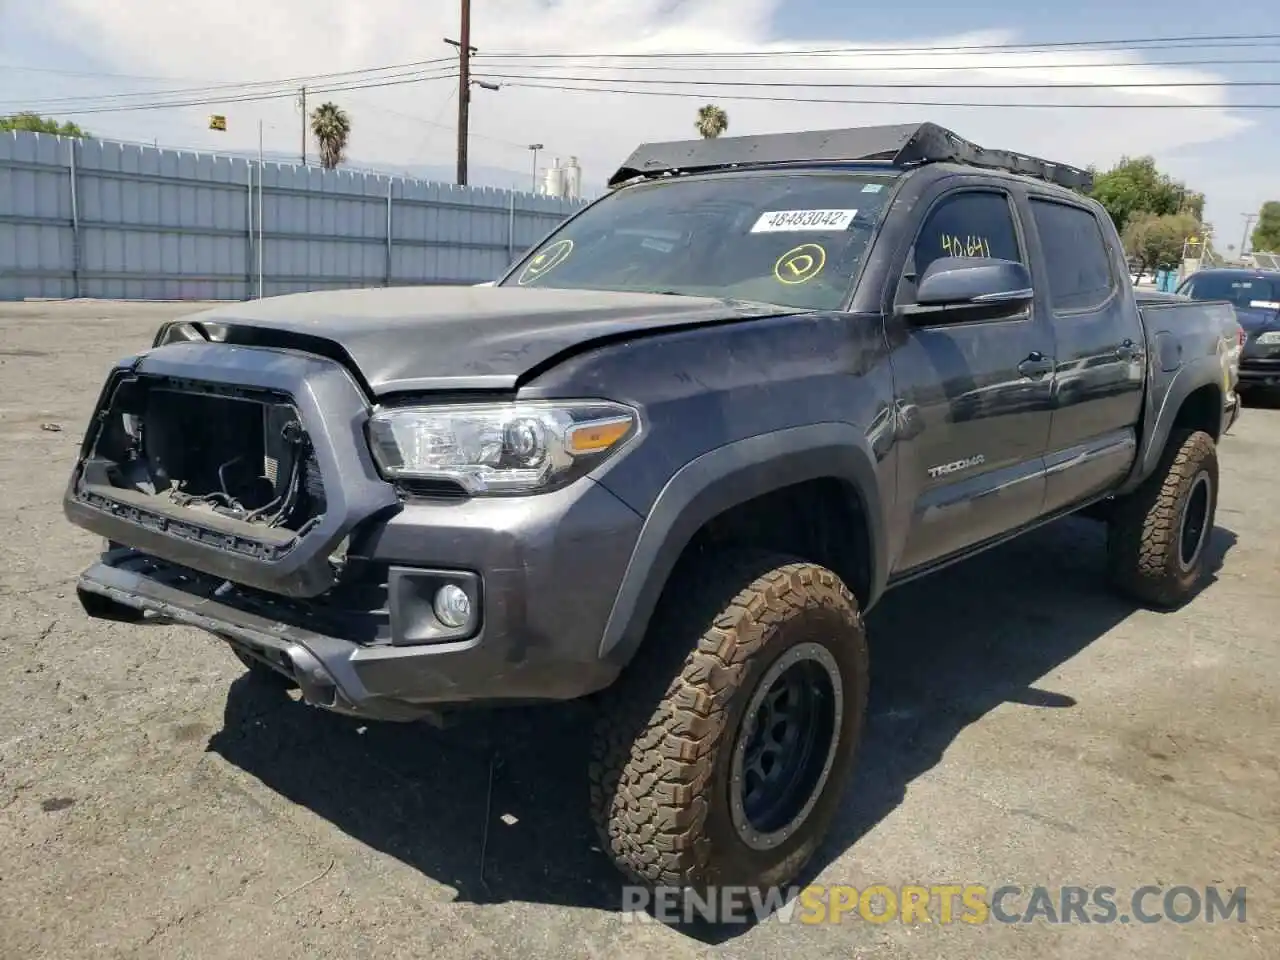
(332,129)
(712,121)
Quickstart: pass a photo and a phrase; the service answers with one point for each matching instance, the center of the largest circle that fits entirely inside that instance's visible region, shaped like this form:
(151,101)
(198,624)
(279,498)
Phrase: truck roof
(1240,272)
(903,146)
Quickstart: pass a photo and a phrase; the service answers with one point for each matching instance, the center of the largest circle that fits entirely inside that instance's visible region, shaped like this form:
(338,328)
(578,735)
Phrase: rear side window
(1075,254)
(969,224)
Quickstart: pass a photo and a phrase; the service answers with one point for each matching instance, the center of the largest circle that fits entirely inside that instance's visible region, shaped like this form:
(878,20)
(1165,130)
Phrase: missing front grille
(240,455)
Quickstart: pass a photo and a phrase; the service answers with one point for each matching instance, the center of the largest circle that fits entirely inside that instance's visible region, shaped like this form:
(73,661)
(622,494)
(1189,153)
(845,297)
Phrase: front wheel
(722,754)
(1158,536)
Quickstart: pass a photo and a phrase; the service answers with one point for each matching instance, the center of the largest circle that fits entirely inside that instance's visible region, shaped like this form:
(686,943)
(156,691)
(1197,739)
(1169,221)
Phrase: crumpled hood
(457,338)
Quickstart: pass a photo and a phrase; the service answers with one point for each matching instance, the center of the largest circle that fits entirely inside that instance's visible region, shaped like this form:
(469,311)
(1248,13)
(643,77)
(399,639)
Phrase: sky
(58,49)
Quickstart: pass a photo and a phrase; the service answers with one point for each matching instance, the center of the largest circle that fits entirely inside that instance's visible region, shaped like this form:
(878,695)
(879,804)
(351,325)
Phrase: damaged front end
(176,450)
(244,464)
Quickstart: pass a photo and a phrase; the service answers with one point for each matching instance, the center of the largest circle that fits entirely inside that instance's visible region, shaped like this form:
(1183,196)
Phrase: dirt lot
(1027,727)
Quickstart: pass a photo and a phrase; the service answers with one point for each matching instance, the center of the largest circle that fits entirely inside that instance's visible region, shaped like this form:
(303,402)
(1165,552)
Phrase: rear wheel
(1158,537)
(721,756)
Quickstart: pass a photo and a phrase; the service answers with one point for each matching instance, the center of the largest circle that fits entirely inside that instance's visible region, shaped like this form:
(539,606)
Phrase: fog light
(452,606)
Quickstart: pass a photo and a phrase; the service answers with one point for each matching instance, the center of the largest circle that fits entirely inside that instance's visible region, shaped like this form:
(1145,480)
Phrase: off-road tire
(1144,543)
(663,746)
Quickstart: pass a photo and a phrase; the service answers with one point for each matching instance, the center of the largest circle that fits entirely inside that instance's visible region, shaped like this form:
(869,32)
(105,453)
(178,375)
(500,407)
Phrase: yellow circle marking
(546,261)
(800,264)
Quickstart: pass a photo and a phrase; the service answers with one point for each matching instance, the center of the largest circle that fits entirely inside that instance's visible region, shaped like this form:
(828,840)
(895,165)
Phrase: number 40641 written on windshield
(970,246)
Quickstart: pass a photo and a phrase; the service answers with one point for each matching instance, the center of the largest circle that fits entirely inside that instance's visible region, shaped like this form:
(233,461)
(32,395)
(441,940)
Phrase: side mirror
(962,287)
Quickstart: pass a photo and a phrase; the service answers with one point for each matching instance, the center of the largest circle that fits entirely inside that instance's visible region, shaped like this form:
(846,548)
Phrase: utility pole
(302,99)
(465,50)
(1248,222)
(261,171)
(535,147)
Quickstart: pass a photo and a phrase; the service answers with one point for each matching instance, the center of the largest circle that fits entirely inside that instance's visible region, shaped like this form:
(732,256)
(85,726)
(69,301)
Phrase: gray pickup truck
(667,462)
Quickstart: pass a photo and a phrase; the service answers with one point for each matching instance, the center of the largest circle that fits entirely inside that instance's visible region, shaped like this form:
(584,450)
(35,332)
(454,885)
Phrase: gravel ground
(1026,727)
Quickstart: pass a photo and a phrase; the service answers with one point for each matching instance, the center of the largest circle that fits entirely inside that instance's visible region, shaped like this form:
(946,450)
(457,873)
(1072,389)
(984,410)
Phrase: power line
(1222,41)
(523,58)
(23,68)
(1136,43)
(1246,40)
(412,77)
(904,103)
(893,86)
(255,97)
(896,69)
(90,101)
(245,85)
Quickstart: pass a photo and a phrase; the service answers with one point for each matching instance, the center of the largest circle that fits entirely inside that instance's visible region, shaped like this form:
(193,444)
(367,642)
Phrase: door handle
(1036,365)
(1125,351)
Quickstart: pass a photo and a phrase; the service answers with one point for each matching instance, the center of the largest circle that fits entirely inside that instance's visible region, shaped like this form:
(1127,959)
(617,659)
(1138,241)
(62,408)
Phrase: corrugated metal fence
(91,218)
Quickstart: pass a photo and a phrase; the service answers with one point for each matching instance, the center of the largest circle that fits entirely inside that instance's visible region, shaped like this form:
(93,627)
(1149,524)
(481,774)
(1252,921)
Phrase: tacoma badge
(945,468)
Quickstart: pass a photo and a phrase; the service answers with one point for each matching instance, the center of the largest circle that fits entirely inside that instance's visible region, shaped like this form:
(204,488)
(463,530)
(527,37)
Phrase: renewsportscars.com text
(939,903)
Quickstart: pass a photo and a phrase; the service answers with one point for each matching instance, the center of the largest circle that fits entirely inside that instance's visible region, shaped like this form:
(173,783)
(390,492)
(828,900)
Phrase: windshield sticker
(873,188)
(660,245)
(1265,304)
(546,261)
(800,264)
(785,221)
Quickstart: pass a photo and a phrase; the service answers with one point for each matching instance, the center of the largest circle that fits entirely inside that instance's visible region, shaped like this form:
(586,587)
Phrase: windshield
(1259,293)
(791,238)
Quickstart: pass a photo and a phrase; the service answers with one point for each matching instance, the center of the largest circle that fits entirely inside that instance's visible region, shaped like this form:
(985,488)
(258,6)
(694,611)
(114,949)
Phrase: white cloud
(259,39)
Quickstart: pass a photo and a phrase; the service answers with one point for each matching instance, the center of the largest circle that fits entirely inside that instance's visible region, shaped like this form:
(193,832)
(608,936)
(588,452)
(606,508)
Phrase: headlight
(1270,338)
(521,447)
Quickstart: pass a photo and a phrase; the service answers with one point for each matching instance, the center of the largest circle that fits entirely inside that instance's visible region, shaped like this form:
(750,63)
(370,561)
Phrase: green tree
(1266,235)
(35,123)
(1157,241)
(332,129)
(1193,203)
(1135,186)
(712,121)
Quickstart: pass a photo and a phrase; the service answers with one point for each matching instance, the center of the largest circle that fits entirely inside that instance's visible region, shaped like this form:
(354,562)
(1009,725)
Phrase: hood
(1257,319)
(401,339)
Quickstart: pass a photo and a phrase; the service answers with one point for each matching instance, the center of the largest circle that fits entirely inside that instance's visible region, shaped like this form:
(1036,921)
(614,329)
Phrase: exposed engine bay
(239,454)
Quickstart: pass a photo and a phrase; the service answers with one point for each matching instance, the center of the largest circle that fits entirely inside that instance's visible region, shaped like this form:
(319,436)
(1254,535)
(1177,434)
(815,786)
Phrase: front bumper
(1260,371)
(1259,363)
(345,609)
(547,568)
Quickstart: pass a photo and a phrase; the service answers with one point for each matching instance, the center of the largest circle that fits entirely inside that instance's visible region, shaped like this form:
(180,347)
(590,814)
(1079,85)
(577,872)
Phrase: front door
(974,469)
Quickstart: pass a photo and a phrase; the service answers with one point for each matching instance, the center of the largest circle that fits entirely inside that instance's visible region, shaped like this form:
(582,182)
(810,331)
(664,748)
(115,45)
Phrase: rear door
(974,467)
(1082,284)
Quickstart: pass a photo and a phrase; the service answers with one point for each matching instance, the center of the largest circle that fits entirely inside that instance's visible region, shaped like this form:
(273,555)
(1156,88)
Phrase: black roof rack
(900,145)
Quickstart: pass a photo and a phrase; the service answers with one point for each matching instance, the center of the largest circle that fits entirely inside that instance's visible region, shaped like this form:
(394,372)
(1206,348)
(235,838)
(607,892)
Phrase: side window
(1076,255)
(969,224)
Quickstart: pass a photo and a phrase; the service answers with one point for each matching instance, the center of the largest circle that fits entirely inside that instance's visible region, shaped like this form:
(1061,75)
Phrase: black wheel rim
(1193,528)
(786,745)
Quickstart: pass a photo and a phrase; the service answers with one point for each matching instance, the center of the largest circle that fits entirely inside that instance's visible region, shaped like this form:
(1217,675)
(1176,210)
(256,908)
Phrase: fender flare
(723,478)
(1200,373)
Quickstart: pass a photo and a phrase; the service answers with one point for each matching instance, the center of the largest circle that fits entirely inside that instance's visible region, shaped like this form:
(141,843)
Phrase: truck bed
(1185,339)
